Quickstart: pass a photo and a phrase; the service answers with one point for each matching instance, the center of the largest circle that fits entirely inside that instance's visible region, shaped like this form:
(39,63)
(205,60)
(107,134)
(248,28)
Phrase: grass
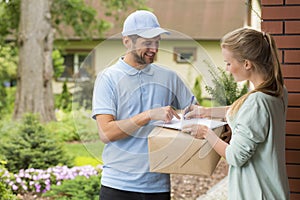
(85,153)
(207,103)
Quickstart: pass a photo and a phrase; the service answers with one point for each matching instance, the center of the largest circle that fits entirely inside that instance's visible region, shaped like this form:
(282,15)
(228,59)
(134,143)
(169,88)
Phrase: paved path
(217,192)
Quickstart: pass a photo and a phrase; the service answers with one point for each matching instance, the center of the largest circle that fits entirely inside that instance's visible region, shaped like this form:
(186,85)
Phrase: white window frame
(76,67)
(180,54)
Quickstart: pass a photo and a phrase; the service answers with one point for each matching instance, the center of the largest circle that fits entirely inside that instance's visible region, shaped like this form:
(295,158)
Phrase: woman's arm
(202,131)
(210,112)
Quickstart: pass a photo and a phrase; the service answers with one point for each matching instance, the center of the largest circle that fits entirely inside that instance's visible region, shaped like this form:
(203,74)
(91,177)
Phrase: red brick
(292,142)
(294,100)
(273,27)
(292,56)
(292,85)
(281,12)
(294,2)
(292,157)
(295,196)
(293,171)
(293,114)
(292,128)
(291,71)
(292,27)
(273,2)
(290,41)
(294,183)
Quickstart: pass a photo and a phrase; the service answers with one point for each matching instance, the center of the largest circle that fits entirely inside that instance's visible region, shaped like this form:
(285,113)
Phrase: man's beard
(139,59)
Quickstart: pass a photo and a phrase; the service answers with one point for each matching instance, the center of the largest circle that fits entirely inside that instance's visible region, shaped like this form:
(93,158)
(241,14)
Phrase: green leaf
(225,90)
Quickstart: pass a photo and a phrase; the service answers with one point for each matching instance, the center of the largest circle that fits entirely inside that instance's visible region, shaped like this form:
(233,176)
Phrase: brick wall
(281,18)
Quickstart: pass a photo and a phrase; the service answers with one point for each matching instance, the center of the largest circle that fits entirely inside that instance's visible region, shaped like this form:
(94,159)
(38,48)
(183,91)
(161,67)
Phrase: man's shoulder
(162,68)
(112,68)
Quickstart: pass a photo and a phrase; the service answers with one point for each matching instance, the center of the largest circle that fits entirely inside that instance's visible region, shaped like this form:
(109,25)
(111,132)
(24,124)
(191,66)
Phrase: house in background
(196,28)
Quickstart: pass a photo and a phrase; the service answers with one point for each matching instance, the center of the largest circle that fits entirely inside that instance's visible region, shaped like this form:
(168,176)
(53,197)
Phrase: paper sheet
(179,123)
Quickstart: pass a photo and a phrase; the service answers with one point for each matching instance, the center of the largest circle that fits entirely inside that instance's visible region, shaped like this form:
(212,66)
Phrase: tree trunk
(35,71)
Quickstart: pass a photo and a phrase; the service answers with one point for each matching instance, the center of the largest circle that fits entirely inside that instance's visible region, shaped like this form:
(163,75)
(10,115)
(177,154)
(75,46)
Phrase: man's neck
(130,61)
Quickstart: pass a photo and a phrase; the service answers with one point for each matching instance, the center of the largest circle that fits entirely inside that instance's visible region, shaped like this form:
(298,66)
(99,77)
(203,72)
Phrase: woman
(256,153)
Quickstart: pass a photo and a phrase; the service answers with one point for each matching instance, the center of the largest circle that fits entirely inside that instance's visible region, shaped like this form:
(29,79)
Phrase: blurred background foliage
(225,89)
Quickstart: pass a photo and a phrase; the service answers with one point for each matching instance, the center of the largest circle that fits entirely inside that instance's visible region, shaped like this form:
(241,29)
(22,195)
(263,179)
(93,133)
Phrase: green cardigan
(256,154)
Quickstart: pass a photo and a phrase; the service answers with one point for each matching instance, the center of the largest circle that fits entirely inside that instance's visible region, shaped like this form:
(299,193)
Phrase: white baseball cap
(142,23)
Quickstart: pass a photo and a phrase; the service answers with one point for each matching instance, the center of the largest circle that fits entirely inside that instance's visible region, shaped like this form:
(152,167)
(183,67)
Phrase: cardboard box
(174,152)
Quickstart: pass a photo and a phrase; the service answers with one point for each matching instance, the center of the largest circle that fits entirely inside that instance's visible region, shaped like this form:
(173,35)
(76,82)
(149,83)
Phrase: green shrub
(73,126)
(32,146)
(225,90)
(8,73)
(7,126)
(37,181)
(5,191)
(63,101)
(64,129)
(80,188)
(207,103)
(197,90)
(83,95)
(3,97)
(86,127)
(10,100)
(7,100)
(58,63)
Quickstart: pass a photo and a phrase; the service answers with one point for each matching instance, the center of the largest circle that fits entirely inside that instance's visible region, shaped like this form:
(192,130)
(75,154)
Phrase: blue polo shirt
(123,91)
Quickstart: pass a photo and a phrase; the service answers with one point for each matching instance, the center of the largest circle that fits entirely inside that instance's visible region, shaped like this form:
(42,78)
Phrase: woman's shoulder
(260,98)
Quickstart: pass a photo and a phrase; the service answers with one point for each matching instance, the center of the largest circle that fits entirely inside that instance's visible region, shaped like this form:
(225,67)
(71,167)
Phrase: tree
(35,39)
(33,24)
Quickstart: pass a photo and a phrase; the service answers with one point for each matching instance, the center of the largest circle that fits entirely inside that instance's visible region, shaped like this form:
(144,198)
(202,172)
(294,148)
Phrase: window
(185,54)
(74,68)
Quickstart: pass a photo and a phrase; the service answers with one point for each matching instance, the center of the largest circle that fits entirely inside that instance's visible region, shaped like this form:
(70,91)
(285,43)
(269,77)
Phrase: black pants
(107,193)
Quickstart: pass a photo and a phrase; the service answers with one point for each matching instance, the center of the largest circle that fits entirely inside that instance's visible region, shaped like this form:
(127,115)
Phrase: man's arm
(112,130)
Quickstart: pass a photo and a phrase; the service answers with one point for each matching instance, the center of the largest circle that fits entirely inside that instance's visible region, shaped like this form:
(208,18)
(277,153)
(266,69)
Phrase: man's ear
(248,65)
(126,42)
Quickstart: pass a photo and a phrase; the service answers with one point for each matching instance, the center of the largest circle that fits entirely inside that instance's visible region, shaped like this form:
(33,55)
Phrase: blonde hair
(260,49)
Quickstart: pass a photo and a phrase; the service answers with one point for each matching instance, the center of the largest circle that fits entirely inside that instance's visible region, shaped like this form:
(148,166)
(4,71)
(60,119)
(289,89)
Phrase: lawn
(207,103)
(85,153)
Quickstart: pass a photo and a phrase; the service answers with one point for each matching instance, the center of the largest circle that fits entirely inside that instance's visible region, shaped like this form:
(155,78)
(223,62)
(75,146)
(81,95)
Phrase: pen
(188,108)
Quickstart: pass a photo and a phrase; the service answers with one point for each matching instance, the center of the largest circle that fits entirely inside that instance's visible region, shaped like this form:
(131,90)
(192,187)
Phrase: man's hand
(164,113)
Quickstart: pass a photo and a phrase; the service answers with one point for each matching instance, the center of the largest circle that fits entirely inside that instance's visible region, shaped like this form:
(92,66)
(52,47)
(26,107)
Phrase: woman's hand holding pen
(196,130)
(163,113)
(195,111)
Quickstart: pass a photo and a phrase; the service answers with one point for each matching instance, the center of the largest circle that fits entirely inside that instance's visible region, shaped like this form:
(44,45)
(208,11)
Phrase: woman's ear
(248,65)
